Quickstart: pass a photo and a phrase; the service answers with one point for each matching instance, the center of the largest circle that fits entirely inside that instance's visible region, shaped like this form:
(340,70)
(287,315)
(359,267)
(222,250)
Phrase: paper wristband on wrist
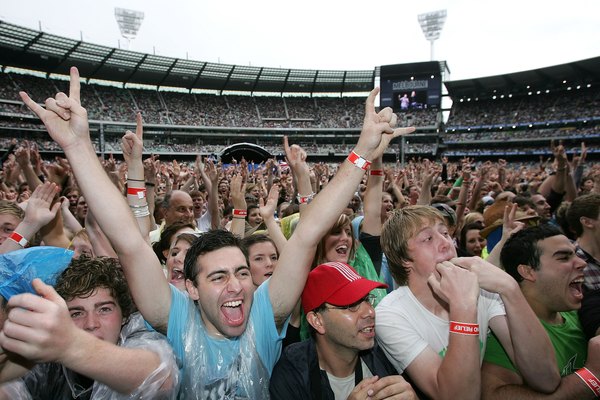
(376,172)
(239,213)
(589,379)
(357,160)
(21,241)
(305,199)
(463,328)
(139,192)
(135,180)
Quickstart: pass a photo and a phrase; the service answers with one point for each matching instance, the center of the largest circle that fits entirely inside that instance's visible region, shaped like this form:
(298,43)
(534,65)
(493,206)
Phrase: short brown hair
(588,206)
(400,227)
(84,275)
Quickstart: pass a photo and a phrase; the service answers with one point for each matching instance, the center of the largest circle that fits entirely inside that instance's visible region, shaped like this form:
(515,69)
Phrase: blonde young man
(434,326)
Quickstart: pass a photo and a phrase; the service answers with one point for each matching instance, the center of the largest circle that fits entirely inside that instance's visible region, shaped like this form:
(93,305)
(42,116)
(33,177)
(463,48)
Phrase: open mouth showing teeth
(341,249)
(576,288)
(268,274)
(233,312)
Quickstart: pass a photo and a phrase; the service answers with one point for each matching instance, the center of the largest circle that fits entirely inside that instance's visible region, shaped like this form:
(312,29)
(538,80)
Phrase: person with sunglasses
(341,360)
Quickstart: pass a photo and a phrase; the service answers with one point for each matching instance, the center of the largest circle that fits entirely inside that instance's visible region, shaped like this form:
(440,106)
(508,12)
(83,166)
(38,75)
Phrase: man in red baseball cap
(341,360)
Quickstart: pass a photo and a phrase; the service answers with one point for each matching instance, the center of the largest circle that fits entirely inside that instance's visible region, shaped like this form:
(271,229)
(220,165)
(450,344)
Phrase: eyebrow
(225,271)
(563,253)
(96,305)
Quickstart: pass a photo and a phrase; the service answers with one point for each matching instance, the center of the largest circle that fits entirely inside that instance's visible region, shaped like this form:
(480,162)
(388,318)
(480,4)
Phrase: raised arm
(267,212)
(210,176)
(66,121)
(132,145)
(39,212)
(372,199)
(289,277)
(296,158)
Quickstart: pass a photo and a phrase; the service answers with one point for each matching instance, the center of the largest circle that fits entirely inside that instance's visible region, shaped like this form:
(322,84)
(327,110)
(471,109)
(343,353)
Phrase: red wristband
(305,199)
(240,213)
(139,192)
(376,172)
(21,241)
(589,379)
(357,160)
(464,328)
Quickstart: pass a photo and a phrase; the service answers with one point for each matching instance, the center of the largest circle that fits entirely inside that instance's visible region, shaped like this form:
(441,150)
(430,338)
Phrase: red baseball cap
(335,283)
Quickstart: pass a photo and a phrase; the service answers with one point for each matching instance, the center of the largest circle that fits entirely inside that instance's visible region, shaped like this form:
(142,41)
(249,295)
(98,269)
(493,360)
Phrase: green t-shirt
(568,339)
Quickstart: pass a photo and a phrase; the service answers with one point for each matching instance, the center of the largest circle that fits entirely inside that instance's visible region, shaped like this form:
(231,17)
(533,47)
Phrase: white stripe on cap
(344,270)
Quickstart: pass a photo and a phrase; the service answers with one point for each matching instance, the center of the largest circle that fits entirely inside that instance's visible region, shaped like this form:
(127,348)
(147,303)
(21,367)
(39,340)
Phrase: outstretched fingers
(33,106)
(139,126)
(370,103)
(75,86)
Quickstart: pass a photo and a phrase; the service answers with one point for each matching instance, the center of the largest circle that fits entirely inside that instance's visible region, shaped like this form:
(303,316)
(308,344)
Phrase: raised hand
(39,210)
(267,209)
(132,143)
(295,156)
(378,129)
(64,117)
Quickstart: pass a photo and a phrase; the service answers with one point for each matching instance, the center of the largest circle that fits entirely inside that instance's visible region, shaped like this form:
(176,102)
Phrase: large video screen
(414,86)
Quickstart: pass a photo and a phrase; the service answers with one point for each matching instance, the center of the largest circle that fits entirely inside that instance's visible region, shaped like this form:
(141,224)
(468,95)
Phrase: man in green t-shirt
(550,275)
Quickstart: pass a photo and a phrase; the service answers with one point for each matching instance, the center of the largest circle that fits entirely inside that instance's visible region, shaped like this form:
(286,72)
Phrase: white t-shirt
(342,387)
(405,327)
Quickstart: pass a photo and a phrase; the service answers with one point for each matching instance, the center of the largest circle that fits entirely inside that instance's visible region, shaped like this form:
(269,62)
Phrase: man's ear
(316,321)
(586,222)
(192,290)
(527,272)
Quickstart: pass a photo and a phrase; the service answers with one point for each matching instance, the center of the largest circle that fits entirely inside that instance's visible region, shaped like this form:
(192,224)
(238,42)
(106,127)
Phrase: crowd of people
(112,103)
(143,278)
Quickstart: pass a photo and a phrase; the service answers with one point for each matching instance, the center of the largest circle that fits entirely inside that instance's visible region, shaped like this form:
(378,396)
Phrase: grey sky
(480,38)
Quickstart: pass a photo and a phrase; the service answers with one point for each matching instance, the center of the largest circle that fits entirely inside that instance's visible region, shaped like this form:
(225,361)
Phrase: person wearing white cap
(341,359)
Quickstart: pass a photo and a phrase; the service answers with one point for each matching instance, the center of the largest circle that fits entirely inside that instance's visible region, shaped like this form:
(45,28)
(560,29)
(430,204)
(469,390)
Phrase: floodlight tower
(432,24)
(129,23)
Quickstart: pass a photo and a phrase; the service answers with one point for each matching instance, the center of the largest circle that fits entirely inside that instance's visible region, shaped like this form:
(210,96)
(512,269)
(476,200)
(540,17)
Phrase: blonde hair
(11,208)
(402,225)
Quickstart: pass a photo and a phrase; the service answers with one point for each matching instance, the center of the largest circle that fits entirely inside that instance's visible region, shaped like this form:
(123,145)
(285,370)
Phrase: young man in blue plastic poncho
(243,328)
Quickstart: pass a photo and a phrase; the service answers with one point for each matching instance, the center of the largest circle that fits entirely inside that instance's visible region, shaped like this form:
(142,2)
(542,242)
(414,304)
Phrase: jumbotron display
(413,86)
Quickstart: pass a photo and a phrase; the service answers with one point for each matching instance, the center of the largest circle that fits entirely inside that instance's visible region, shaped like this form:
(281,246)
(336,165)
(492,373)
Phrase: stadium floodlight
(432,24)
(129,22)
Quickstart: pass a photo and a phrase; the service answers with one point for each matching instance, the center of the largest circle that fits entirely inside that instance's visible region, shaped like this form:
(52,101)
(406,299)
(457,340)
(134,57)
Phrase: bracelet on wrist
(239,213)
(140,193)
(589,379)
(135,180)
(133,206)
(376,172)
(463,328)
(21,241)
(359,161)
(140,211)
(305,199)
(150,184)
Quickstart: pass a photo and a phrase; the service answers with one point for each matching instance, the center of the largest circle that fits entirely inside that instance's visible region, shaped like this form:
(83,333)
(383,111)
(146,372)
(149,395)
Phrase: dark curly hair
(84,275)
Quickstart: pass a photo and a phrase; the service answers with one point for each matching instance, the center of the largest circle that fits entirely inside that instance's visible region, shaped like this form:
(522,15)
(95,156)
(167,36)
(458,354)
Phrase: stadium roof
(31,49)
(27,48)
(549,78)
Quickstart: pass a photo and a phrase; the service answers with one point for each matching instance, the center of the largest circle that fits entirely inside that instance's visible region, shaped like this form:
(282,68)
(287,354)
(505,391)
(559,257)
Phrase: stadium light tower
(432,24)
(129,23)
